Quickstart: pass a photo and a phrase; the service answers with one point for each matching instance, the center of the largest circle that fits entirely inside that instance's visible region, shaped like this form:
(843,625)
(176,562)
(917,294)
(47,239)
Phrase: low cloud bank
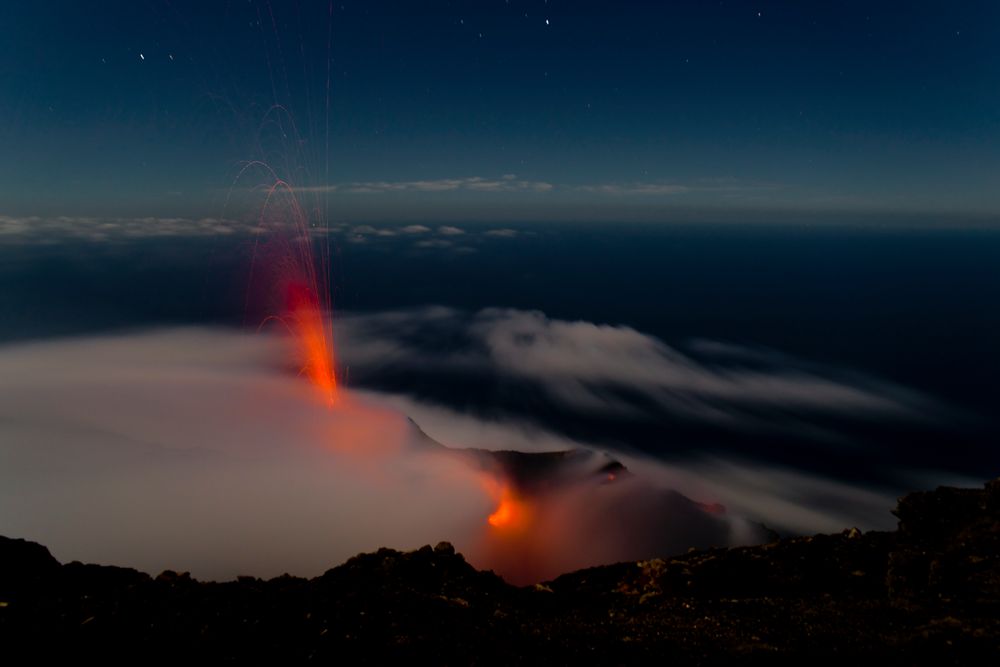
(196,450)
(201,450)
(616,370)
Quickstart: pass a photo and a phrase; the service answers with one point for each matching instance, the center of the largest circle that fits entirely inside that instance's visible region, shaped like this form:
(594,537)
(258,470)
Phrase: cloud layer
(799,445)
(505,183)
(41,230)
(194,449)
(56,229)
(615,369)
(202,450)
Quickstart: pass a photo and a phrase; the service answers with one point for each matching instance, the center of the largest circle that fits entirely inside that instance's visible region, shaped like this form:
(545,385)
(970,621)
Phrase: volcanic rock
(24,567)
(928,593)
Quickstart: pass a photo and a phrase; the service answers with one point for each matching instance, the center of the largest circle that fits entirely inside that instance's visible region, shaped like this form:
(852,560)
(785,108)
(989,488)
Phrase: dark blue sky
(520,110)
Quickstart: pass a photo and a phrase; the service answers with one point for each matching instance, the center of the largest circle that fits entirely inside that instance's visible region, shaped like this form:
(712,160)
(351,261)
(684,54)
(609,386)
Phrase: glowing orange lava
(312,333)
(512,513)
(503,515)
(290,277)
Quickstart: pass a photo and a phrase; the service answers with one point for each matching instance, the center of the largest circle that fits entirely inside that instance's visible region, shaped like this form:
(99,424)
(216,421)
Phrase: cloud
(40,230)
(618,189)
(364,230)
(786,499)
(505,183)
(452,236)
(502,233)
(195,449)
(616,369)
(415,229)
(361,232)
(512,183)
(434,243)
(201,450)
(726,186)
(570,358)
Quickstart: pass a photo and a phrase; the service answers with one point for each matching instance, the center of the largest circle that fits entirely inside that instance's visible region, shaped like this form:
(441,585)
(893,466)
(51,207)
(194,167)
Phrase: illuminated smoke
(197,450)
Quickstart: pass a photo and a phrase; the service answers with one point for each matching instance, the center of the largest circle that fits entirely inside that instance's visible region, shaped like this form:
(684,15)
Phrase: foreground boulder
(928,593)
(948,546)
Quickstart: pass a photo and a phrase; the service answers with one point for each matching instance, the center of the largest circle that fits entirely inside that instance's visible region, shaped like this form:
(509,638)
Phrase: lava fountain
(292,281)
(312,332)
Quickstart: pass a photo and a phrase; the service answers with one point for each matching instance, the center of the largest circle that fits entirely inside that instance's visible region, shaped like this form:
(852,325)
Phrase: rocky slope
(928,593)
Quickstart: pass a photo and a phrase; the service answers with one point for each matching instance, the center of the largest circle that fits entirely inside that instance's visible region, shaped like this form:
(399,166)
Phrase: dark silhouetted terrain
(928,593)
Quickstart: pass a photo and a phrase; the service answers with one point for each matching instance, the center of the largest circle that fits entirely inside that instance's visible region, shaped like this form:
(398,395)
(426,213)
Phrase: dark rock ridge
(928,593)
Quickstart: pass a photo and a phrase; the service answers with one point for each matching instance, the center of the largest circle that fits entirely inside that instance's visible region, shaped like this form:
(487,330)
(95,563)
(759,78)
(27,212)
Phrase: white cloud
(570,357)
(195,450)
(502,233)
(37,229)
(636,189)
(368,230)
(506,183)
(511,183)
(202,450)
(363,233)
(577,363)
(415,229)
(192,449)
(722,186)
(782,497)
(434,243)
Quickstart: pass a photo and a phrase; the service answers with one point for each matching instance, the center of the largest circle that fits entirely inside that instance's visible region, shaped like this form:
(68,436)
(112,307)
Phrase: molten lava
(512,513)
(289,282)
(312,334)
(503,515)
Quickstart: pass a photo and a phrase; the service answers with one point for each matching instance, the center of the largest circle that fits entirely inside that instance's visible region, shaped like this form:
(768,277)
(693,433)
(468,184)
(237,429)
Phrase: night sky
(653,111)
